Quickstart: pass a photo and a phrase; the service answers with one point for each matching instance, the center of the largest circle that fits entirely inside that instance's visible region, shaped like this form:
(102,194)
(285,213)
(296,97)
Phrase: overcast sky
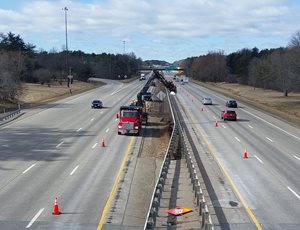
(167,30)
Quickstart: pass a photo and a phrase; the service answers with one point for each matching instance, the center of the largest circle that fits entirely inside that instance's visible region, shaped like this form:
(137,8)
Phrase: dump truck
(130,120)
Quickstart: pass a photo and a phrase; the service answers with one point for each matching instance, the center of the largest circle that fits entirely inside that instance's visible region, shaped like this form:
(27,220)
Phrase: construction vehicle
(133,116)
(130,120)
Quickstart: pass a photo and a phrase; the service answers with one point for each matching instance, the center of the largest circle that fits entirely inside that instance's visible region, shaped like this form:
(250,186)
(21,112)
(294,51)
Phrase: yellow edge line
(112,193)
(213,152)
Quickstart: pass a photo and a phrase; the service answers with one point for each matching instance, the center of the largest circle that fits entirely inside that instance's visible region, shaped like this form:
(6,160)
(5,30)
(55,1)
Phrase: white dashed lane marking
(35,218)
(269,139)
(259,159)
(73,171)
(30,167)
(237,139)
(57,146)
(294,192)
(297,158)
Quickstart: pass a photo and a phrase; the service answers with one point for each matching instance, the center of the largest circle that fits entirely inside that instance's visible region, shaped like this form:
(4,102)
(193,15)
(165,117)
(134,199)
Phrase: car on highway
(228,115)
(231,103)
(206,101)
(97,104)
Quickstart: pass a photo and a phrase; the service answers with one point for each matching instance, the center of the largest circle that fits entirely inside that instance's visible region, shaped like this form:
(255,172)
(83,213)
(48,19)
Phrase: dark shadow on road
(36,144)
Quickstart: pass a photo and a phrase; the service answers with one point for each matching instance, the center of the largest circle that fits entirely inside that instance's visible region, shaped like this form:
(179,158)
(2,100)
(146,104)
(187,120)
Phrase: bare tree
(43,75)
(294,60)
(11,66)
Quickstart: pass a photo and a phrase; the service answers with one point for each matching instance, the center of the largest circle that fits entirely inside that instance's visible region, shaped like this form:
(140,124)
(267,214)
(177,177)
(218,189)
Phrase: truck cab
(130,120)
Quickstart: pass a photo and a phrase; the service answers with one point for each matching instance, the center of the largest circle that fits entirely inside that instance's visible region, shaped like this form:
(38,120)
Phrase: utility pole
(68,70)
(124,47)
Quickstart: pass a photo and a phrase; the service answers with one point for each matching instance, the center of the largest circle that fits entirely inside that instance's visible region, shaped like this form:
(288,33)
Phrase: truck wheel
(119,133)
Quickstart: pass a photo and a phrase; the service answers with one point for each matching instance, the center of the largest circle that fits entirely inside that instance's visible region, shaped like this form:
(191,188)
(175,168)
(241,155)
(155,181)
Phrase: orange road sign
(178,211)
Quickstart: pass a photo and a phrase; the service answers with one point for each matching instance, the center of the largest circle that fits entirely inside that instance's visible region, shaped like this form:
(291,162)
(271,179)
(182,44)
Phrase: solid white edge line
(293,192)
(237,139)
(258,159)
(57,146)
(73,171)
(297,158)
(30,167)
(107,130)
(269,139)
(35,218)
(271,124)
(94,146)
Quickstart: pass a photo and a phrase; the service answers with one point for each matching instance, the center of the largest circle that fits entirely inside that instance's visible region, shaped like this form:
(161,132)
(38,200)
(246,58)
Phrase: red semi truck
(130,120)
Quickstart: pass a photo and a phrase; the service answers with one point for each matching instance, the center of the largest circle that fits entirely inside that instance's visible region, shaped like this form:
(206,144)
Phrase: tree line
(277,69)
(20,62)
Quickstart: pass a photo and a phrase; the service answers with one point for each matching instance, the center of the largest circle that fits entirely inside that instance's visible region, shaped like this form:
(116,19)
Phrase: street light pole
(66,28)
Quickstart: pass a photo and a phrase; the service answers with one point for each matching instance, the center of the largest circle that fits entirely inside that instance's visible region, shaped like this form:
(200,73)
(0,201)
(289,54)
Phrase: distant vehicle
(206,101)
(231,103)
(228,115)
(142,78)
(97,104)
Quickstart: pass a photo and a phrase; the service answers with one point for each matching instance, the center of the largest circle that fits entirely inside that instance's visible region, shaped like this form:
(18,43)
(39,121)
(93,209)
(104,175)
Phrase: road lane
(58,149)
(263,179)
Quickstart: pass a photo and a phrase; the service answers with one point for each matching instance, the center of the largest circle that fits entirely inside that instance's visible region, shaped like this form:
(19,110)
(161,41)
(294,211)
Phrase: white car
(206,101)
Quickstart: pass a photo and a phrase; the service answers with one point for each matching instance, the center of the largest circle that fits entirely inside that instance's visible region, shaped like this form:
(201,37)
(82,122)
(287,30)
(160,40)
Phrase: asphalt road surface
(55,150)
(267,183)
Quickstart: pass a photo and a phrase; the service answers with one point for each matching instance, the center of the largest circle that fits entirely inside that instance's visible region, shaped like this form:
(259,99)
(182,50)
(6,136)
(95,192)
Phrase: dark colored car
(228,115)
(231,103)
(97,104)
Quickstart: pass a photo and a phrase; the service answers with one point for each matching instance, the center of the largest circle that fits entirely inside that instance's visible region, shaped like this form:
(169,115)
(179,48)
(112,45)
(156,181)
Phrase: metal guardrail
(9,115)
(157,192)
(178,136)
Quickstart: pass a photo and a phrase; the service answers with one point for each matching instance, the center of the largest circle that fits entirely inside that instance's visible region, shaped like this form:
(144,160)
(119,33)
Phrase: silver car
(206,101)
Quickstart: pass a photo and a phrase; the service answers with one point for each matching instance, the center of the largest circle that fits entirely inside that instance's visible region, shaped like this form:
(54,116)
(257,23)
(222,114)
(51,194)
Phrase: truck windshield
(126,113)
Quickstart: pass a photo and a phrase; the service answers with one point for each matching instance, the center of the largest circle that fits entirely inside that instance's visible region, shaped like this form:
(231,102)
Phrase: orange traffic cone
(102,143)
(55,208)
(245,154)
(217,124)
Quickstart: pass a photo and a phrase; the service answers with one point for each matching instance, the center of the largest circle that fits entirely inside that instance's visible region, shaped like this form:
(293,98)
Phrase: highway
(55,151)
(267,183)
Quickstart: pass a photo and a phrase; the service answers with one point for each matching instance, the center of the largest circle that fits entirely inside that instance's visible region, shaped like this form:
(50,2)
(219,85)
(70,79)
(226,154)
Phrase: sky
(168,30)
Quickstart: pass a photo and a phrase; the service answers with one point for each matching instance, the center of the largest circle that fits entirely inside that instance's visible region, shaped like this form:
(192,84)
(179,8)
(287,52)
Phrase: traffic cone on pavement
(102,143)
(55,208)
(217,124)
(245,154)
